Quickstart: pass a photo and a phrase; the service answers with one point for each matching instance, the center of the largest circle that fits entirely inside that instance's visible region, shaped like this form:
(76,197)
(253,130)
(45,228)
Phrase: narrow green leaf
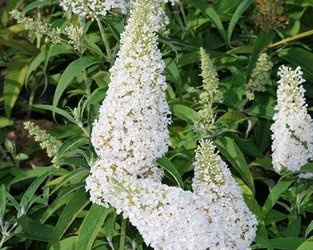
(2,201)
(79,172)
(263,242)
(233,154)
(70,144)
(212,15)
(34,229)
(69,213)
(309,229)
(55,205)
(13,81)
(306,245)
(33,173)
(170,168)
(29,193)
(38,4)
(299,57)
(57,49)
(289,243)
(70,73)
(55,110)
(91,226)
(185,113)
(67,243)
(23,46)
(282,185)
(237,14)
(115,24)
(5,122)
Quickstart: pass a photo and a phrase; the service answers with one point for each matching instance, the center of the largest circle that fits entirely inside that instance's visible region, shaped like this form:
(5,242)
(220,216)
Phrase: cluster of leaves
(60,89)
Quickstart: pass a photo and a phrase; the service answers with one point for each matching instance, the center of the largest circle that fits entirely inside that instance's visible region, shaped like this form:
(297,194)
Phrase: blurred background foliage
(59,87)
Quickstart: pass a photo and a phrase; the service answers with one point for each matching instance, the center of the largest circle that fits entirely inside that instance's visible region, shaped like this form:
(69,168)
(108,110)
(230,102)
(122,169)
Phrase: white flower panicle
(259,77)
(46,141)
(167,217)
(38,27)
(214,183)
(211,93)
(133,119)
(74,34)
(293,127)
(93,8)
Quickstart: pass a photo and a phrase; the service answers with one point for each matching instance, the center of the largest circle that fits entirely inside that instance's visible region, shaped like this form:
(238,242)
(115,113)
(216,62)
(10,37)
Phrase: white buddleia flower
(167,217)
(74,34)
(210,94)
(214,183)
(293,127)
(93,8)
(260,76)
(133,119)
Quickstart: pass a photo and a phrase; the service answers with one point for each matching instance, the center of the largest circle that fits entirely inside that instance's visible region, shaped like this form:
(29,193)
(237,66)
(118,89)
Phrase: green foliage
(43,207)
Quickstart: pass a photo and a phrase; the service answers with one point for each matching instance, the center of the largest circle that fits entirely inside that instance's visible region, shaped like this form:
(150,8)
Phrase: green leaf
(55,205)
(55,110)
(72,70)
(115,24)
(34,229)
(282,185)
(91,226)
(289,243)
(10,198)
(237,14)
(262,111)
(185,113)
(231,151)
(33,173)
(307,245)
(67,243)
(14,81)
(57,49)
(212,15)
(2,201)
(38,4)
(299,57)
(68,215)
(171,169)
(77,173)
(5,122)
(71,144)
(23,46)
(29,193)
(309,229)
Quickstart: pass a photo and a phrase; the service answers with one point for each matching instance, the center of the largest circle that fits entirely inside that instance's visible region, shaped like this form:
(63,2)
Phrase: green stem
(292,38)
(123,231)
(105,40)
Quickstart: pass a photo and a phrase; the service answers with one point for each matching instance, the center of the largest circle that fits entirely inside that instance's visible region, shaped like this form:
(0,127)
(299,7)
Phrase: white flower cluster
(46,141)
(214,183)
(293,127)
(259,77)
(211,93)
(74,34)
(93,8)
(131,133)
(167,217)
(40,28)
(132,125)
